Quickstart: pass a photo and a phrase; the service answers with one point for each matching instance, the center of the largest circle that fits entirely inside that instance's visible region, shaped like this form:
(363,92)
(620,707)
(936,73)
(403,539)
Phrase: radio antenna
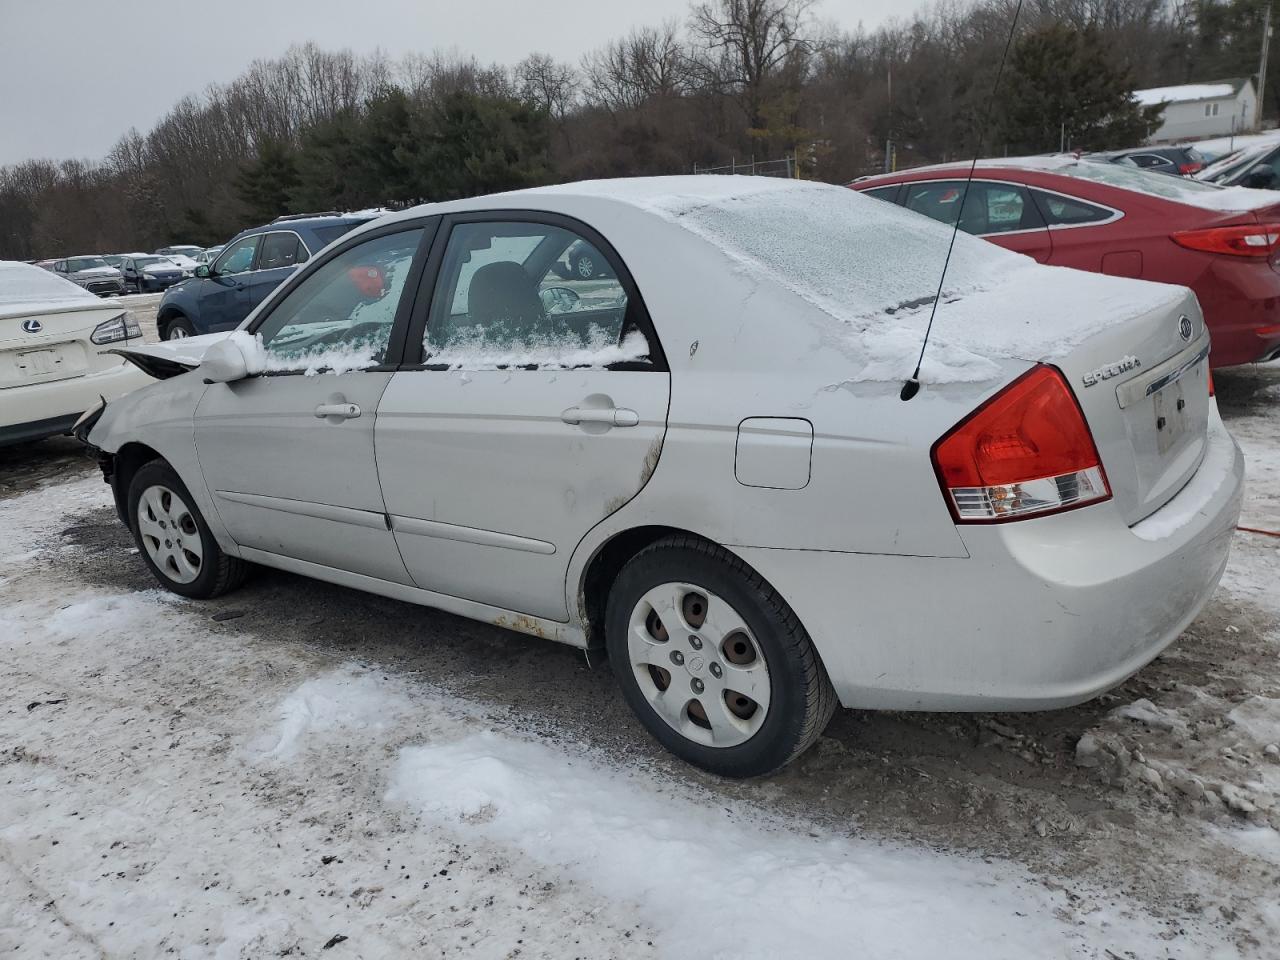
(912,386)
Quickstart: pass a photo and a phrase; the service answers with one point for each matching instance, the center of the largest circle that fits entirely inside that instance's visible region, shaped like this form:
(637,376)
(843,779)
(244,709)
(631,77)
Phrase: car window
(1147,160)
(340,317)
(238,257)
(1062,211)
(279,250)
(988,207)
(889,193)
(528,295)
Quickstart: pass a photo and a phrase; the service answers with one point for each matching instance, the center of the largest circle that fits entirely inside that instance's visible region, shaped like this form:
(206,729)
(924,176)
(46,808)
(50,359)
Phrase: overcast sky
(75,74)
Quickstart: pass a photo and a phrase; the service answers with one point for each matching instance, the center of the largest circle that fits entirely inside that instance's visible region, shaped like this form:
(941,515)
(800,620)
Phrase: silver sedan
(698,458)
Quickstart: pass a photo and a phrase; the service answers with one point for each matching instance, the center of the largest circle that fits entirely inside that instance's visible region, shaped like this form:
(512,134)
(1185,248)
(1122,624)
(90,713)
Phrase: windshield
(85,263)
(153,262)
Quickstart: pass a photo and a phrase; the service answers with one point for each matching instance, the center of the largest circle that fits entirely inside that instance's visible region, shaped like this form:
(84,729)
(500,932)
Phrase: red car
(1222,242)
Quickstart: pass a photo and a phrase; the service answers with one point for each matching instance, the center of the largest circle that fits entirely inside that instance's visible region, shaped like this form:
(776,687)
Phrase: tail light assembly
(1187,169)
(1244,240)
(1026,452)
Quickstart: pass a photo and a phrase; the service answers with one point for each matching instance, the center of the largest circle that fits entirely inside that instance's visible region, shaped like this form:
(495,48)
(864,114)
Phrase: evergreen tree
(469,144)
(1061,79)
(329,164)
(265,184)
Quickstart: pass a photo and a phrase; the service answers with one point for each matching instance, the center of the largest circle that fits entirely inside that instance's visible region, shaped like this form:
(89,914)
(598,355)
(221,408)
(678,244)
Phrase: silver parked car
(91,272)
(698,458)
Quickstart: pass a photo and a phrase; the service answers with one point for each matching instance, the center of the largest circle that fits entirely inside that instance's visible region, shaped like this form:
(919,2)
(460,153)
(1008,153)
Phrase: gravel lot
(259,774)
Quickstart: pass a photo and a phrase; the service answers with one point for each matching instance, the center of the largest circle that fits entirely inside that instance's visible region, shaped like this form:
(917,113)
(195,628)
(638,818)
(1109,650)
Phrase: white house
(1196,110)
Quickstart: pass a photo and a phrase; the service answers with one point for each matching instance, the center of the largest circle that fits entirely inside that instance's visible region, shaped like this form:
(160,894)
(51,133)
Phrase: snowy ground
(294,764)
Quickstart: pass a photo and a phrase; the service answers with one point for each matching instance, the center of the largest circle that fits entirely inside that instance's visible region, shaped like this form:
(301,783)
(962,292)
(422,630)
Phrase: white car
(700,460)
(54,359)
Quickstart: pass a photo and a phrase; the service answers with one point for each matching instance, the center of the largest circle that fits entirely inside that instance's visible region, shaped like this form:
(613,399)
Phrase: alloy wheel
(698,664)
(169,534)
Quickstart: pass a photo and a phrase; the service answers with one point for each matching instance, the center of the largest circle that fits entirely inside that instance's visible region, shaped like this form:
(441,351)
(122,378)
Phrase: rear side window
(280,250)
(1060,211)
(988,207)
(1148,160)
(525,295)
(889,194)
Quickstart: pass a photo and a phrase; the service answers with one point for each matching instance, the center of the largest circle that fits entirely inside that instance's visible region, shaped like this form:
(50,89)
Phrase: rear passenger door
(539,408)
(1082,238)
(279,253)
(1003,213)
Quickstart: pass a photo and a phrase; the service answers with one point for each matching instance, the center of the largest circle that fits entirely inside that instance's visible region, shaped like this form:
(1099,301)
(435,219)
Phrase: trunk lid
(1143,387)
(58,350)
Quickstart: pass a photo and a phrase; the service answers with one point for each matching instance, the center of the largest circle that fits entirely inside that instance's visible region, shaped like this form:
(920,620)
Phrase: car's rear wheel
(177,328)
(714,663)
(174,539)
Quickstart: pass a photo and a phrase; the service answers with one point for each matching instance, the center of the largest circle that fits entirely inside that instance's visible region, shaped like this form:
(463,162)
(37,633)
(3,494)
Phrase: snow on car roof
(26,285)
(869,268)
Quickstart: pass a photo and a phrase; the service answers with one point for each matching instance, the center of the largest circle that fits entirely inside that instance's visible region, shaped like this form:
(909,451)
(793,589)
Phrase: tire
(585,267)
(194,566)
(714,664)
(179,327)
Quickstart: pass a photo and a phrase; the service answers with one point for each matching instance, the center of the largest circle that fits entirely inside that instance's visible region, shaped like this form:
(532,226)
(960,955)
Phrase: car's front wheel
(177,328)
(174,539)
(714,663)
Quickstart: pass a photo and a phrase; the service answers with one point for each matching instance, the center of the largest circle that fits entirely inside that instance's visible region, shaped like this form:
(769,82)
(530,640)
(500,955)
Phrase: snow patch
(472,350)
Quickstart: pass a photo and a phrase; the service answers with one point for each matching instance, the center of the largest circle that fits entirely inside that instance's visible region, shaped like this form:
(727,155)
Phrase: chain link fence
(786,167)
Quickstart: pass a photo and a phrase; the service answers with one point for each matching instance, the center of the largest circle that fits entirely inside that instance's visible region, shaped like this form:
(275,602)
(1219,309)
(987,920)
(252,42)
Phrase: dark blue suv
(249,267)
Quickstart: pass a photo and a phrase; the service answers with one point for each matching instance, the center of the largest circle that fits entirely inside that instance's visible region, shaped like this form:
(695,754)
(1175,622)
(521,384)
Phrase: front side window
(340,317)
(238,257)
(1060,211)
(528,295)
(884,193)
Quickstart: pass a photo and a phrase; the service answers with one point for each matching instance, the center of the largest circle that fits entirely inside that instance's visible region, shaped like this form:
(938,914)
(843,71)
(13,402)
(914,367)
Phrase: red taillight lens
(1187,169)
(1211,383)
(1025,452)
(1246,240)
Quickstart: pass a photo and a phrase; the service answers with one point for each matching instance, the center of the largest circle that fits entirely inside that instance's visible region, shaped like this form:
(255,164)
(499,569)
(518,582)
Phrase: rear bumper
(41,410)
(1043,614)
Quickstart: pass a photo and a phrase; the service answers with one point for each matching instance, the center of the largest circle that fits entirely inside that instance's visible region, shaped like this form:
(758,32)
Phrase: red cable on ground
(1265,533)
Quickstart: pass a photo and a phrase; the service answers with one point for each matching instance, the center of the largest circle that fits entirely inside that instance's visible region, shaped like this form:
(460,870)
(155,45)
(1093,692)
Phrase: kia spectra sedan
(698,458)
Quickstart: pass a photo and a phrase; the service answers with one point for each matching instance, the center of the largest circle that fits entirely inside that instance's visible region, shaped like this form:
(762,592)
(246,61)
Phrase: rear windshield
(329,234)
(23,283)
(1177,189)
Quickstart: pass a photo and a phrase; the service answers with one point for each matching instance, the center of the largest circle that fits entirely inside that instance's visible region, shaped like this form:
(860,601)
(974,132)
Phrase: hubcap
(169,534)
(586,267)
(698,664)
(177,333)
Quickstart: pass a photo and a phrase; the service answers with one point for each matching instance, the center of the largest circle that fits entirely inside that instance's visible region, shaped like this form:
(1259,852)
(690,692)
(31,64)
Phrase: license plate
(1170,415)
(39,363)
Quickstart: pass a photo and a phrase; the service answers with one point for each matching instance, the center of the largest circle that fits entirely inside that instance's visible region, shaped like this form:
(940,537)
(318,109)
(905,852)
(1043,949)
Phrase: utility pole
(1262,64)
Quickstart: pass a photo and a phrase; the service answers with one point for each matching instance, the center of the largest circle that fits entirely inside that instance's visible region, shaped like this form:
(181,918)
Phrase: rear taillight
(1246,240)
(1025,452)
(1187,169)
(1211,383)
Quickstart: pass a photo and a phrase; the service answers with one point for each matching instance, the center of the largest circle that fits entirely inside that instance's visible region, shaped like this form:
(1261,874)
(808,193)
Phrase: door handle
(344,411)
(613,416)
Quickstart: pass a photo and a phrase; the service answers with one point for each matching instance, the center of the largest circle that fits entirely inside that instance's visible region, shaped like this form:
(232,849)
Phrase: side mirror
(224,362)
(559,299)
(202,270)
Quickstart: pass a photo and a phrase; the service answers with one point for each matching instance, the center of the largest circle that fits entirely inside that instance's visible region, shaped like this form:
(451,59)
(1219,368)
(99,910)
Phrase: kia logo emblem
(1185,328)
(32,326)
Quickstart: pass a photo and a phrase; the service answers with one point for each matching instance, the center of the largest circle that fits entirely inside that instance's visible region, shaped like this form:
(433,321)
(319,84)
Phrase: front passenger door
(288,454)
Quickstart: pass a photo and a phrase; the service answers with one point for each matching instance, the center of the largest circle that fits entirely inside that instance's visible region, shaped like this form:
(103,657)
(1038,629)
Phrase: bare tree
(749,44)
(649,63)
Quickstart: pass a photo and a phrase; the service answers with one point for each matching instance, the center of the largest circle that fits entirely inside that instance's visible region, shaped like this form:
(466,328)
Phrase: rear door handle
(344,411)
(613,416)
